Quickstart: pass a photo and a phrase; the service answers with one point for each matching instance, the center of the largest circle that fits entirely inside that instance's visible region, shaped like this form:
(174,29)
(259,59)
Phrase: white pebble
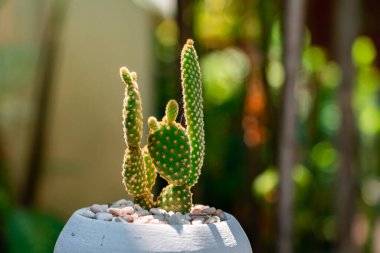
(129,218)
(89,214)
(142,220)
(154,221)
(114,211)
(197,221)
(216,218)
(98,208)
(185,222)
(127,210)
(103,216)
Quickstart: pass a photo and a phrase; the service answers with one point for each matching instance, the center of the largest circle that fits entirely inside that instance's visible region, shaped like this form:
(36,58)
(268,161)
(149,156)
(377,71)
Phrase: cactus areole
(174,152)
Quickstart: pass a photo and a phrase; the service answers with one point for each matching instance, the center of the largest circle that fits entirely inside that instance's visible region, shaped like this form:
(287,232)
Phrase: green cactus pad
(132,111)
(171,111)
(153,124)
(176,198)
(134,177)
(150,170)
(170,151)
(145,201)
(192,95)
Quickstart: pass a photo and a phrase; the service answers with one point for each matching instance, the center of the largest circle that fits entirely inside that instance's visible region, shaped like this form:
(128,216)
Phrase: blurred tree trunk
(346,29)
(185,27)
(293,30)
(45,81)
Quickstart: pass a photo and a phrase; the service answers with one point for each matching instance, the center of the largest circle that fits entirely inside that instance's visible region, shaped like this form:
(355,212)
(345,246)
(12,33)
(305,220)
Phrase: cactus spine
(172,151)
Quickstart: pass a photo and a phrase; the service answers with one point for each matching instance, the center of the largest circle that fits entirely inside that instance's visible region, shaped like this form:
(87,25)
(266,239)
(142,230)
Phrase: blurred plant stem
(44,83)
(346,30)
(293,31)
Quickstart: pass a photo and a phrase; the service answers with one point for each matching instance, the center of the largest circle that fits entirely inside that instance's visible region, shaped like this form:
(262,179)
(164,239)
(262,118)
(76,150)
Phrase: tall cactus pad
(193,101)
(150,170)
(176,198)
(132,111)
(170,151)
(134,177)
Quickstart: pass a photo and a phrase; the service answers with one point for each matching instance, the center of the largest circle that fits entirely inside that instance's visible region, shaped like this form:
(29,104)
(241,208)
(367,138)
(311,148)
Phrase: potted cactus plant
(169,223)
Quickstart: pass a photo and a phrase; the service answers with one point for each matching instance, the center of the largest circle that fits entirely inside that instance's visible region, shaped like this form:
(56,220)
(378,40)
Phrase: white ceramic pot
(84,235)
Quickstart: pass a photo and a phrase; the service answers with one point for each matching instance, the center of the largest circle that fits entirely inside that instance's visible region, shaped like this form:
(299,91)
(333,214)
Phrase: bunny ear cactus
(172,151)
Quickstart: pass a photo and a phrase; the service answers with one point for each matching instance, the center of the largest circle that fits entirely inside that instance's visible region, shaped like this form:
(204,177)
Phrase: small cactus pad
(145,200)
(134,177)
(150,170)
(153,124)
(170,152)
(176,198)
(132,111)
(192,95)
(171,111)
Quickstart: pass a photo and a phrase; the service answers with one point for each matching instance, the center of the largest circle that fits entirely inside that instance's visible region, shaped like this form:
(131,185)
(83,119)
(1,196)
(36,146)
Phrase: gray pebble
(130,203)
(221,215)
(117,219)
(209,220)
(89,214)
(157,211)
(142,213)
(209,210)
(196,215)
(98,208)
(137,207)
(103,216)
(119,203)
(175,219)
(159,217)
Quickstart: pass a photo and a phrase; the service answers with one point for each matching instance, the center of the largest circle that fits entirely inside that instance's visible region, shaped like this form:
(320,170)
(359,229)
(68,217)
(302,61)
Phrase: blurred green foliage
(240,46)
